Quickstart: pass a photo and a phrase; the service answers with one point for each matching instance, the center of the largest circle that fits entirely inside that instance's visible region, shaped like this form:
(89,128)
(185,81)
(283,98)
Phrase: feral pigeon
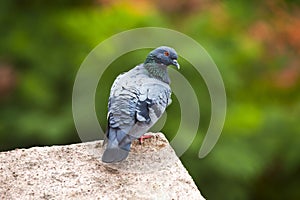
(137,100)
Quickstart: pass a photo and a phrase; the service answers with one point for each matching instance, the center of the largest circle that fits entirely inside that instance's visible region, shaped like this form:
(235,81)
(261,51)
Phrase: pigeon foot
(141,139)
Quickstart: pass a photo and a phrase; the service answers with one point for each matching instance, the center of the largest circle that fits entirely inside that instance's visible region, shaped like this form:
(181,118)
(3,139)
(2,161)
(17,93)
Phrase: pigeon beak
(175,63)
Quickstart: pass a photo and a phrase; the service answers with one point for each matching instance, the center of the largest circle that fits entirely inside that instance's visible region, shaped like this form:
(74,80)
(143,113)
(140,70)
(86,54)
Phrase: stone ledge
(151,171)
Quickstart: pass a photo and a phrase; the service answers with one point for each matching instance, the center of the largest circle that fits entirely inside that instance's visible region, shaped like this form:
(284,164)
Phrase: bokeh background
(255,44)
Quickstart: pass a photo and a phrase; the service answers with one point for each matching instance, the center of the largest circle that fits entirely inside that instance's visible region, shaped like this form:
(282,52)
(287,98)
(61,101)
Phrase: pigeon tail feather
(112,155)
(117,149)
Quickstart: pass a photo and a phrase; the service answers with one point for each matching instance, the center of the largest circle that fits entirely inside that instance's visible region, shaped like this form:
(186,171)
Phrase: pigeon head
(163,55)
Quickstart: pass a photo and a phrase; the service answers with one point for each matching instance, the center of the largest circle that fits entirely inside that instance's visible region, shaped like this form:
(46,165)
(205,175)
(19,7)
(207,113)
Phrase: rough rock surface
(152,171)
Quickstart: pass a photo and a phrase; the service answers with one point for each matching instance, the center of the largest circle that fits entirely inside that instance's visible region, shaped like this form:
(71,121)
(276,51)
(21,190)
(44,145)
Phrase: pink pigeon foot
(141,139)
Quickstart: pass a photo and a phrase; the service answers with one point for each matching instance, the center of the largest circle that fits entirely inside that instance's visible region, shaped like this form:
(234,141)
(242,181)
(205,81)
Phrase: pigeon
(138,98)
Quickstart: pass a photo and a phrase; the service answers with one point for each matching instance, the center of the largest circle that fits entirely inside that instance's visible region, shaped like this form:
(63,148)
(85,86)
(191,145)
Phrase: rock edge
(151,171)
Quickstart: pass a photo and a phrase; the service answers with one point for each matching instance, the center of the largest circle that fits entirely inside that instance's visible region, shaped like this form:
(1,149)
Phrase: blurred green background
(255,44)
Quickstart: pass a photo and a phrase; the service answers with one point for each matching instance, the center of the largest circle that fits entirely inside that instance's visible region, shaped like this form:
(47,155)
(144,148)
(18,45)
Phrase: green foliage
(254,44)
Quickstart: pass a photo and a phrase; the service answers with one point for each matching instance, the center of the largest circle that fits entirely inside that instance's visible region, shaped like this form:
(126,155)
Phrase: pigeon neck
(158,71)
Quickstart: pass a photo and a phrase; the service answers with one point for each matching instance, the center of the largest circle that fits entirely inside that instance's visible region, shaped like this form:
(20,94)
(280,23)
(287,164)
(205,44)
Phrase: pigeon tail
(118,146)
(112,155)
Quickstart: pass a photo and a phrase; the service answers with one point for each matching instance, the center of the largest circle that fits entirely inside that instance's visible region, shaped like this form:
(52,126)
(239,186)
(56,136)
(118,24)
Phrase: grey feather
(137,100)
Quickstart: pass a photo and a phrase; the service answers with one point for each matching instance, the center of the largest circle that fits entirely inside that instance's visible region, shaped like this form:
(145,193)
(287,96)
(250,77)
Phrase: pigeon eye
(166,53)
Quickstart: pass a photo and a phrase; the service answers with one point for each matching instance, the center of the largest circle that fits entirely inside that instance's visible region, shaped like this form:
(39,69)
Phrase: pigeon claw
(141,139)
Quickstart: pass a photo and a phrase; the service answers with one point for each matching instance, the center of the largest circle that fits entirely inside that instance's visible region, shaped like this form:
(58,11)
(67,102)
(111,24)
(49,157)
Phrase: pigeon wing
(153,99)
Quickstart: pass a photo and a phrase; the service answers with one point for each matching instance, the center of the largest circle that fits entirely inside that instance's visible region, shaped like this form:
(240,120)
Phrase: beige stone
(151,171)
